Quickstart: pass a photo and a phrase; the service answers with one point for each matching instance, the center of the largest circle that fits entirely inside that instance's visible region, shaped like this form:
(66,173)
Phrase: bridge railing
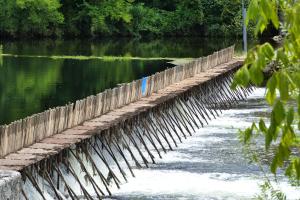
(32,129)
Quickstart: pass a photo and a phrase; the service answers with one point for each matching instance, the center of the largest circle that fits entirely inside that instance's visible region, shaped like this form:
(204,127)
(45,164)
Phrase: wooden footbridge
(81,150)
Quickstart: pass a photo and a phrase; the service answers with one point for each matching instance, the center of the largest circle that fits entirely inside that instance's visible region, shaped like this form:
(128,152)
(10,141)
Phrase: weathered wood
(56,120)
(172,111)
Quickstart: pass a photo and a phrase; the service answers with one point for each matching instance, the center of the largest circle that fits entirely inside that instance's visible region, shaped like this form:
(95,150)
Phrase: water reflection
(32,84)
(170,47)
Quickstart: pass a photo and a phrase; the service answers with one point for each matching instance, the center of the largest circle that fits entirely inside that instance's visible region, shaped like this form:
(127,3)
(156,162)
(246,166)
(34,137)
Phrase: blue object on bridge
(144,85)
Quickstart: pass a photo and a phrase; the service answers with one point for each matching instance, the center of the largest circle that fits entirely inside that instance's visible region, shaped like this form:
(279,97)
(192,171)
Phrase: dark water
(30,84)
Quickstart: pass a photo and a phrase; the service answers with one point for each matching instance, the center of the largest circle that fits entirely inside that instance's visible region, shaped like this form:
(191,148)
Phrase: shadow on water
(168,47)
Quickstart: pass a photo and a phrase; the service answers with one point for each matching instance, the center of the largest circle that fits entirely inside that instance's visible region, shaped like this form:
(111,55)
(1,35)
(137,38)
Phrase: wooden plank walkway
(56,143)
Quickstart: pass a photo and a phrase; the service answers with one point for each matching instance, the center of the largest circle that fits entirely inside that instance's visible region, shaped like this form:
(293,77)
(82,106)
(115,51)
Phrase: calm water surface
(31,81)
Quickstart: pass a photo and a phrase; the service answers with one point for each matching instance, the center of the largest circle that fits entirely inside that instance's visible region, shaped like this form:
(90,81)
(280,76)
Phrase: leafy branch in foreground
(282,134)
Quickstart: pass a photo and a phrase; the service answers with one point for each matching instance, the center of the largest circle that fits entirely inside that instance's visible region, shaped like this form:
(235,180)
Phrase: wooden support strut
(197,112)
(136,131)
(175,121)
(187,114)
(192,111)
(152,125)
(184,118)
(162,127)
(117,146)
(130,137)
(102,177)
(101,156)
(48,178)
(199,108)
(35,184)
(24,194)
(180,119)
(222,97)
(126,145)
(69,189)
(110,152)
(205,102)
(227,82)
(172,117)
(72,172)
(211,110)
(149,133)
(169,124)
(88,175)
(148,136)
(225,88)
(216,100)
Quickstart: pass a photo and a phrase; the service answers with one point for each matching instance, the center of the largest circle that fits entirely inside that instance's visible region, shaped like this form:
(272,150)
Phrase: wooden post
(39,126)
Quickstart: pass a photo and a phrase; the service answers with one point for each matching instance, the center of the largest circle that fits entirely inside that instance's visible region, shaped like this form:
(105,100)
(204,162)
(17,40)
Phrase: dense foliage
(94,18)
(39,17)
(281,134)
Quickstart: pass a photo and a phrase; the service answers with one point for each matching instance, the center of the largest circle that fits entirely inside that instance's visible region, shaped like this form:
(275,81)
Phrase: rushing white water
(208,165)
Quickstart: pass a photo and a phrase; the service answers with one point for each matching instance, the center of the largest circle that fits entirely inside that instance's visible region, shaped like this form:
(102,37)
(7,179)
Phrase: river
(37,75)
(209,165)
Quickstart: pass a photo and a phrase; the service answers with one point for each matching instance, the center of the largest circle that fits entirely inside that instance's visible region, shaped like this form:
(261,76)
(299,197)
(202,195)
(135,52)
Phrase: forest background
(130,18)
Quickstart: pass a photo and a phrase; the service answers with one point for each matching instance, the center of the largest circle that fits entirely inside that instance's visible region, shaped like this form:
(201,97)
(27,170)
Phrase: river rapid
(208,165)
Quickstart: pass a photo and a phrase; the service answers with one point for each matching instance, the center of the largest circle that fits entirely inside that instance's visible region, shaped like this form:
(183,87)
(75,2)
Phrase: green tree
(94,18)
(222,17)
(283,87)
(169,18)
(30,18)
(8,19)
(187,16)
(107,16)
(149,21)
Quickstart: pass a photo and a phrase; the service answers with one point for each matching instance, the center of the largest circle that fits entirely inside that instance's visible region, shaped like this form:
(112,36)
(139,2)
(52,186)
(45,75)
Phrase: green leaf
(256,75)
(281,56)
(253,11)
(296,166)
(272,83)
(289,170)
(247,134)
(265,9)
(261,62)
(270,135)
(262,126)
(283,154)
(260,27)
(299,104)
(250,57)
(278,112)
(271,92)
(288,136)
(270,97)
(283,86)
(290,117)
(274,15)
(267,50)
(242,76)
(274,164)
